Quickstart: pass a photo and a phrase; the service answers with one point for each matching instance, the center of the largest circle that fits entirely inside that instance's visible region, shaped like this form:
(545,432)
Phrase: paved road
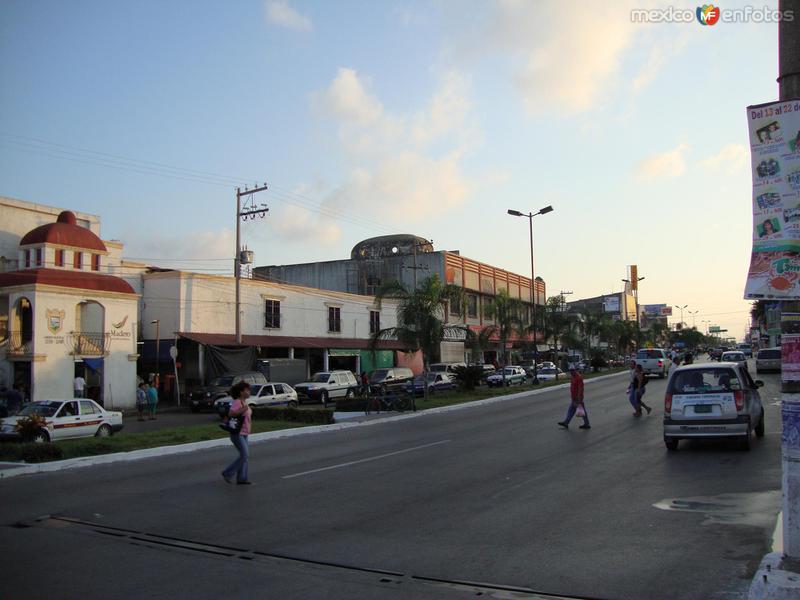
(495,494)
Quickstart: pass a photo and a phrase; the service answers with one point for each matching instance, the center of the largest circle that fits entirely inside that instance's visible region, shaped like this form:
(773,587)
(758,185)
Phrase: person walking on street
(632,387)
(239,408)
(676,362)
(576,404)
(141,400)
(79,385)
(640,388)
(152,400)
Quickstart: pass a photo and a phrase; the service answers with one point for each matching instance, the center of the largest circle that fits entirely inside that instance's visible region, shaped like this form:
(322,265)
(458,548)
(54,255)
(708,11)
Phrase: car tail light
(668,403)
(661,363)
(739,398)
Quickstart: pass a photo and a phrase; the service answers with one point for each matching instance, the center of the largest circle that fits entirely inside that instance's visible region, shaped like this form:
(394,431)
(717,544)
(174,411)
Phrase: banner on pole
(774,130)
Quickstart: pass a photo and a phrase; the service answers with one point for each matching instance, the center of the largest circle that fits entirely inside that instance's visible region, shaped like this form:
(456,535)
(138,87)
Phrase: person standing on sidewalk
(141,400)
(152,400)
(239,408)
(576,404)
(79,385)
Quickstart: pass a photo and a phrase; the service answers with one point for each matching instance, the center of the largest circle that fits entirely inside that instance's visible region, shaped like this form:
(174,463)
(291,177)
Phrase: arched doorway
(90,346)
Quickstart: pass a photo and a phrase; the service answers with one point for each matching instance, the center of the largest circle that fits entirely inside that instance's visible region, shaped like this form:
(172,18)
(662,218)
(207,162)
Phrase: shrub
(28,426)
(469,377)
(29,452)
(319,416)
(598,361)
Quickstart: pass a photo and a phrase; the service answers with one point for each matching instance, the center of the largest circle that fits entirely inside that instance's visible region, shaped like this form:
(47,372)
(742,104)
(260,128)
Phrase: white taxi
(65,419)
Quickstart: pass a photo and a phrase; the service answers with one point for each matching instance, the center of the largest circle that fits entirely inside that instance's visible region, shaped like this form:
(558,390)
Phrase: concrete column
(358,365)
(291,352)
(325,360)
(201,362)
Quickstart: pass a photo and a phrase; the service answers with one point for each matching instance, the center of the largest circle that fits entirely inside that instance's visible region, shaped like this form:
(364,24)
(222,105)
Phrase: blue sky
(368,118)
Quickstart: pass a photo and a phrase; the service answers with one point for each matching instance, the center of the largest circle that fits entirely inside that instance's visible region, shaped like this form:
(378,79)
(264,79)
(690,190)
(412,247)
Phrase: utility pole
(250,211)
(789,89)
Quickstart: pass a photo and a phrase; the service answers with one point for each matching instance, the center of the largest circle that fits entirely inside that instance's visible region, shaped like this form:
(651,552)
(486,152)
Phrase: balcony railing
(20,342)
(88,344)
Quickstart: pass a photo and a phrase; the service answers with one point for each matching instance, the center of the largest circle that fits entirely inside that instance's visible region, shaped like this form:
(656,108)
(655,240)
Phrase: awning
(282,341)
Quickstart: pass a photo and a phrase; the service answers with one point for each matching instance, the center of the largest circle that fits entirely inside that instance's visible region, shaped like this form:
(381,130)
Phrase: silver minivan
(711,400)
(768,359)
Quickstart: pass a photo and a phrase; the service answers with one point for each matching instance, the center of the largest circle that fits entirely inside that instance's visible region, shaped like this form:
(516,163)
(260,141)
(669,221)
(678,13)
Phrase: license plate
(703,408)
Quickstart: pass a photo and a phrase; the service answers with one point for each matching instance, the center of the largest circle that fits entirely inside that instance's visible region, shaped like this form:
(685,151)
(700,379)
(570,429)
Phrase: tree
(420,318)
(504,311)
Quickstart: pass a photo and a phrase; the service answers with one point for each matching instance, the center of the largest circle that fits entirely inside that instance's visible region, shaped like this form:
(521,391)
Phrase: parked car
(712,401)
(268,394)
(65,419)
(446,367)
(654,361)
(768,359)
(736,357)
(203,398)
(435,382)
(327,385)
(747,349)
(550,373)
(381,378)
(512,375)
(547,365)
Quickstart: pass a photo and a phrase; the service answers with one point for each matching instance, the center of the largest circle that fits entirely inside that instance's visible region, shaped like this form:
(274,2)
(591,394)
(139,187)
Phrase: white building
(62,314)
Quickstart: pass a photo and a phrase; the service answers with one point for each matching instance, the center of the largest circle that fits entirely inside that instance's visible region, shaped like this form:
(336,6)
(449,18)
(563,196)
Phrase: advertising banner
(774,130)
(654,310)
(611,304)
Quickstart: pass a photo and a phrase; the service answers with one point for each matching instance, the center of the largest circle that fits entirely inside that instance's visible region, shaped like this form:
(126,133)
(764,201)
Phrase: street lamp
(694,316)
(680,308)
(635,297)
(157,323)
(516,213)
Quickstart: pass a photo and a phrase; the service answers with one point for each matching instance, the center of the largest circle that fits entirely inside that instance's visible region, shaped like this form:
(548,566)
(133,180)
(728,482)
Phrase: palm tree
(504,310)
(420,318)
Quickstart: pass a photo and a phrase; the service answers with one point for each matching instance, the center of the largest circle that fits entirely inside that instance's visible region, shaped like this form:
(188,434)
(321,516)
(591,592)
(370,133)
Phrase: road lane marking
(364,460)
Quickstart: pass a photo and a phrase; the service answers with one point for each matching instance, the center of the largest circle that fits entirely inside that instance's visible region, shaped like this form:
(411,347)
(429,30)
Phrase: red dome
(64,232)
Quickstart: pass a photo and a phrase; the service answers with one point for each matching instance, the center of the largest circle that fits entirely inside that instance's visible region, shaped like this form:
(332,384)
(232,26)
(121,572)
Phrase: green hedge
(29,452)
(317,416)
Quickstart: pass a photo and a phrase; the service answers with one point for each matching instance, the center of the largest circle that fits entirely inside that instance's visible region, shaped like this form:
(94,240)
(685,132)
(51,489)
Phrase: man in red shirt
(576,393)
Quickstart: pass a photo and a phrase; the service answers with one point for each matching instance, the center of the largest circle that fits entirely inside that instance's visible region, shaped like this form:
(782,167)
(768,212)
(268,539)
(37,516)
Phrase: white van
(449,368)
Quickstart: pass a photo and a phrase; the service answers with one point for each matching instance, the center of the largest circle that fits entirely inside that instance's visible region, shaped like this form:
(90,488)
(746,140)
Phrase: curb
(106,459)
(773,583)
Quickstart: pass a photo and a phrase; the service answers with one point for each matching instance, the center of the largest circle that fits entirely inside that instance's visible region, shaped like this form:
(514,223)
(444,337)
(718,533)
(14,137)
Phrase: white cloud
(403,166)
(299,224)
(207,250)
(279,13)
(665,165)
(732,158)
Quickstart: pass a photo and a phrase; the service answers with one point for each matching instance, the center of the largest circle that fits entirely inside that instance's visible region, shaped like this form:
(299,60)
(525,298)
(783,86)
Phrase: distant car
(550,373)
(65,419)
(654,361)
(715,353)
(204,397)
(546,365)
(380,378)
(736,357)
(712,401)
(327,385)
(435,382)
(747,349)
(768,359)
(446,367)
(268,394)
(507,375)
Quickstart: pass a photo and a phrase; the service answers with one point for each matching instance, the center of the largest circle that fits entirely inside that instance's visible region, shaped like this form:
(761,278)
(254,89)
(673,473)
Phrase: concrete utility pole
(250,211)
(789,84)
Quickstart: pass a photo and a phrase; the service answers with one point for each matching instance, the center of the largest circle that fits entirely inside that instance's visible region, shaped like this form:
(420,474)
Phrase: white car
(269,394)
(508,376)
(735,356)
(549,373)
(65,419)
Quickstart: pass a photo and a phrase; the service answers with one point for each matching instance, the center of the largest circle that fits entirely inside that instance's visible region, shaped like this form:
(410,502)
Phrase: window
(279,389)
(77,260)
(472,306)
(27,259)
(70,409)
(39,257)
(59,258)
(272,314)
(373,285)
(334,319)
(87,408)
(95,262)
(455,308)
(374,321)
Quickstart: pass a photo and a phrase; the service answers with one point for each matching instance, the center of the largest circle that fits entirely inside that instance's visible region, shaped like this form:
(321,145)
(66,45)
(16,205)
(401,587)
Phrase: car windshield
(321,378)
(733,356)
(644,354)
(547,371)
(769,354)
(705,381)
(379,375)
(43,409)
(222,381)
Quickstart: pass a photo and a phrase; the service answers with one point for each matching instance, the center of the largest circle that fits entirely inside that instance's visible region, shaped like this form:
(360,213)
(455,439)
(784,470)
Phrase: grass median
(122,442)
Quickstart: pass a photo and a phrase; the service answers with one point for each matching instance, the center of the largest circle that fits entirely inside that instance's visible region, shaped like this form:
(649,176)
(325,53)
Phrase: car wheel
(760,426)
(292,404)
(103,431)
(324,398)
(40,437)
(744,444)
(350,393)
(671,444)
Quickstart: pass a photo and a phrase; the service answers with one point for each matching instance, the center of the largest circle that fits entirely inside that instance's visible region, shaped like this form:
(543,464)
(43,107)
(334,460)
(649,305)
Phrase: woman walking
(632,388)
(641,385)
(239,409)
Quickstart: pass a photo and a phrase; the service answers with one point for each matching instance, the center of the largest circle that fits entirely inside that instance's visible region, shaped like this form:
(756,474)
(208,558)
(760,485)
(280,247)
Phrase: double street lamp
(516,213)
(680,308)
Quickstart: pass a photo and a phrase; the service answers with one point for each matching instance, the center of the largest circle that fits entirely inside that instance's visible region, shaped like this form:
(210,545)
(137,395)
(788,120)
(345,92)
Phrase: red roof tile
(81,280)
(64,232)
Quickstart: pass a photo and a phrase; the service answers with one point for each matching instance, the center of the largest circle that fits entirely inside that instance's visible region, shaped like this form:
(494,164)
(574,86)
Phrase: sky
(370,118)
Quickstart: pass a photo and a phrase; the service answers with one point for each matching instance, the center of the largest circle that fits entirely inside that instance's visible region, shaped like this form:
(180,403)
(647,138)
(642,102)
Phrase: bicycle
(387,400)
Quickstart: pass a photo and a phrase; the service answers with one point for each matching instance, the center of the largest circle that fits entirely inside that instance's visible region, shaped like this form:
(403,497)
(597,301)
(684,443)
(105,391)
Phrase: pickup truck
(654,361)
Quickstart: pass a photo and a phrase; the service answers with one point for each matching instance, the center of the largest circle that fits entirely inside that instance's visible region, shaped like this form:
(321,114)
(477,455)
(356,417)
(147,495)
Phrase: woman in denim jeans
(239,408)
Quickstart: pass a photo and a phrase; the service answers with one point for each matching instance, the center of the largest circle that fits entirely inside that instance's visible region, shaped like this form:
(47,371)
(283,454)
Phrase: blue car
(436,382)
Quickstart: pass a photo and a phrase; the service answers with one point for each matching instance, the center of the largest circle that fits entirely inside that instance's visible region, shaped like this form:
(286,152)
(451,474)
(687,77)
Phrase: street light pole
(694,316)
(680,308)
(516,213)
(157,323)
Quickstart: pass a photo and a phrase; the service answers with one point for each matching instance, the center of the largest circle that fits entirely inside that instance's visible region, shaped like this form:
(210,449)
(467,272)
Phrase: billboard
(774,130)
(655,310)
(611,304)
(714,329)
(666,311)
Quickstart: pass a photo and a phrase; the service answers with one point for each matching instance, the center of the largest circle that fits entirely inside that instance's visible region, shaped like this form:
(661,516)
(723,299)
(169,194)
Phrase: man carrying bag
(576,406)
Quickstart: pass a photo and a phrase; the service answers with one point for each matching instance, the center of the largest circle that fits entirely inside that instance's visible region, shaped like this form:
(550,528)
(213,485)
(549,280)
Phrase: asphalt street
(497,495)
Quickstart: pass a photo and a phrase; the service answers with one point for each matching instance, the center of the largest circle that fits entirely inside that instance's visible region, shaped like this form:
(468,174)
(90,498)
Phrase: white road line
(363,460)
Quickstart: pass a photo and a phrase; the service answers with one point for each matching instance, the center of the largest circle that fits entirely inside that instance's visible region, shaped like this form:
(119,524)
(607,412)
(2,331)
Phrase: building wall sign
(55,320)
(118,332)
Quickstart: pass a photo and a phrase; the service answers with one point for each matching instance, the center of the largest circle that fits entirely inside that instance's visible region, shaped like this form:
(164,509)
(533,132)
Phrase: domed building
(65,316)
